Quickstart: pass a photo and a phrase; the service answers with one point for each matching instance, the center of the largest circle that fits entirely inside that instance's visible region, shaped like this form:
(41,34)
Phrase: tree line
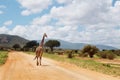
(33,44)
(86,51)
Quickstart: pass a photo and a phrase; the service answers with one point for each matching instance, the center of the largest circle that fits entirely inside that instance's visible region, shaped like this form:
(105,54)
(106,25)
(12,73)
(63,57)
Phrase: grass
(86,63)
(3,57)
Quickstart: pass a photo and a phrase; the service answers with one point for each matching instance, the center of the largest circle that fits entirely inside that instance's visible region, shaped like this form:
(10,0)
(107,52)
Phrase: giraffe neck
(42,42)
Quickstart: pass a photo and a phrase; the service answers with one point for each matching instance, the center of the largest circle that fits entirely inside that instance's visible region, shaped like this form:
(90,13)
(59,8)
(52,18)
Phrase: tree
(91,50)
(31,44)
(15,46)
(108,54)
(52,43)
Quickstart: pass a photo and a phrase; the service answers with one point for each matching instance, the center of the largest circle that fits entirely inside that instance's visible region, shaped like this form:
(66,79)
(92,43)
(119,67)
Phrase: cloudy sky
(78,21)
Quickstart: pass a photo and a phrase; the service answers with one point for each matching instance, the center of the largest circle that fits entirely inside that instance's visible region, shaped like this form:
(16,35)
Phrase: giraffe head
(45,35)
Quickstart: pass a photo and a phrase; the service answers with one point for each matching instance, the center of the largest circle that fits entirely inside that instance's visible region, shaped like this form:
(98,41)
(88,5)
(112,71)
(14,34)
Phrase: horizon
(69,20)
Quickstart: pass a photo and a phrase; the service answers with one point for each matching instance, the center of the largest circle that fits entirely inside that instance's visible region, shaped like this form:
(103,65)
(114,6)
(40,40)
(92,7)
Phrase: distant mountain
(106,47)
(10,40)
(69,45)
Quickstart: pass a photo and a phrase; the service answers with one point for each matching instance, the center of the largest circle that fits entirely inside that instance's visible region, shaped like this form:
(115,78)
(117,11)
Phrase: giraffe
(39,50)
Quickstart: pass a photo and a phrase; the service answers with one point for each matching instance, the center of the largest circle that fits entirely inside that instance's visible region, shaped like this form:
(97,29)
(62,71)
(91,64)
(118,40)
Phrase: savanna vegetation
(3,57)
(84,62)
(89,57)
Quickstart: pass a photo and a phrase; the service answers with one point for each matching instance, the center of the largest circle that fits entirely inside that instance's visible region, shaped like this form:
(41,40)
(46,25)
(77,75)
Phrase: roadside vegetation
(87,63)
(3,57)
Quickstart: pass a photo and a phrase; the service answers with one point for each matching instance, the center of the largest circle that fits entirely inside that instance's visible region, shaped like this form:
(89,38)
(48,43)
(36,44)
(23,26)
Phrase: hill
(9,40)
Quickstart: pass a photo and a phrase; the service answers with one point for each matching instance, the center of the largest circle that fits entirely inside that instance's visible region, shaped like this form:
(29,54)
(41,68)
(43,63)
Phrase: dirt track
(20,66)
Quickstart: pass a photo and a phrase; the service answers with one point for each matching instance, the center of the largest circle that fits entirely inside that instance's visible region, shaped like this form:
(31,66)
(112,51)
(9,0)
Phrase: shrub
(70,55)
(117,52)
(91,50)
(76,51)
(106,55)
(110,55)
(102,54)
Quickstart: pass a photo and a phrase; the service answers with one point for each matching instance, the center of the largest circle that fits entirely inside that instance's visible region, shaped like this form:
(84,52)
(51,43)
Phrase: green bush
(110,55)
(102,54)
(90,49)
(106,55)
(70,55)
(3,57)
(117,52)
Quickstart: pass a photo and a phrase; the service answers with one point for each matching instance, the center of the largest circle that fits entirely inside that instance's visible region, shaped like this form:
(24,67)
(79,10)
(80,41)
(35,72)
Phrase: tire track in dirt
(21,66)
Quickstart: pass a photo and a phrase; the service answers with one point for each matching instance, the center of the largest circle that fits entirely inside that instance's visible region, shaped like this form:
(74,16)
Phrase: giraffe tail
(35,57)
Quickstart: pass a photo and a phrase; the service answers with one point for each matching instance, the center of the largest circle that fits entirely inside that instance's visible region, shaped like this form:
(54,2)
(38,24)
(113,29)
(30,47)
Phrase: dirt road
(21,66)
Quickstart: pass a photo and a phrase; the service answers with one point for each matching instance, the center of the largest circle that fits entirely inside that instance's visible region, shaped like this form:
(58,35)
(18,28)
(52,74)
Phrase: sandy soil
(21,66)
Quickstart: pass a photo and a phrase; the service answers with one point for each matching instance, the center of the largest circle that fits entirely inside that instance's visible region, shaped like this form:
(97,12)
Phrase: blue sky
(82,21)
(113,2)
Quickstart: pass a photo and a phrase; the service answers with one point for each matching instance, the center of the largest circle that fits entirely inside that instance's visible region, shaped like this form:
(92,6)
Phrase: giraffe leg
(41,57)
(37,61)
(40,60)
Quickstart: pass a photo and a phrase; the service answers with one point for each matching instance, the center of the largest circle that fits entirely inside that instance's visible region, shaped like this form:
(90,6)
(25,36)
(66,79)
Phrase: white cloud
(2,7)
(44,20)
(74,13)
(117,3)
(7,23)
(26,12)
(31,32)
(64,1)
(19,30)
(32,7)
(4,30)
(87,12)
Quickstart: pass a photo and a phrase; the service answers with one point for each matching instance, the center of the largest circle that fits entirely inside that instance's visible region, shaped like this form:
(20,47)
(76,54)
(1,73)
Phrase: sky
(77,21)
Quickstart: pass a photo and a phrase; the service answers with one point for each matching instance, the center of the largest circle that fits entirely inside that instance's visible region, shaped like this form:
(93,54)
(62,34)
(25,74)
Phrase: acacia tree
(52,43)
(15,46)
(31,44)
(91,50)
